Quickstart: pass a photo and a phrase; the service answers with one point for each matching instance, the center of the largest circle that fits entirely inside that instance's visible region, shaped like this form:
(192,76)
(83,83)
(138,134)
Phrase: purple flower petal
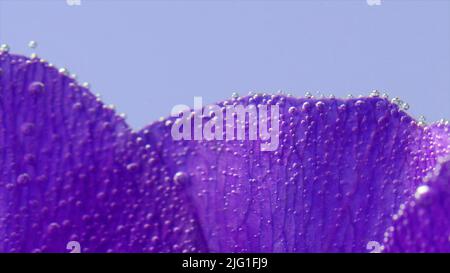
(342,169)
(423,225)
(71,170)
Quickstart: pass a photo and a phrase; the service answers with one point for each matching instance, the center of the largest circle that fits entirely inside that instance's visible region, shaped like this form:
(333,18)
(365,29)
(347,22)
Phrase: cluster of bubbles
(318,95)
(235,96)
(64,71)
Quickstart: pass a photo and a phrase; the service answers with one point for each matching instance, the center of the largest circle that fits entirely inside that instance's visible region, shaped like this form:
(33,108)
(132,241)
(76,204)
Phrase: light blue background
(147,56)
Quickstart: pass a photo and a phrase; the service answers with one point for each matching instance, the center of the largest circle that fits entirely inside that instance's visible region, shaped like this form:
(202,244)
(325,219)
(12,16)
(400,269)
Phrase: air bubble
(180,178)
(374,93)
(27,128)
(53,227)
(421,190)
(32,44)
(63,71)
(405,106)
(422,121)
(396,101)
(292,110)
(23,178)
(36,88)
(132,167)
(443,121)
(320,106)
(359,103)
(77,106)
(4,48)
(306,106)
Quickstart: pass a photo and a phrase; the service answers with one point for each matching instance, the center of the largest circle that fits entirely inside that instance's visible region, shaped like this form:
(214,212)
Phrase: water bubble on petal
(422,121)
(23,178)
(4,48)
(404,106)
(395,100)
(421,190)
(443,121)
(36,88)
(29,159)
(342,108)
(359,103)
(180,177)
(168,123)
(132,167)
(77,106)
(320,105)
(63,71)
(374,93)
(27,128)
(292,110)
(306,106)
(53,227)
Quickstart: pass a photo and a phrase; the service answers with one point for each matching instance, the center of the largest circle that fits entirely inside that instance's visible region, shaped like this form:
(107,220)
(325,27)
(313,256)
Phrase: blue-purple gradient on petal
(73,170)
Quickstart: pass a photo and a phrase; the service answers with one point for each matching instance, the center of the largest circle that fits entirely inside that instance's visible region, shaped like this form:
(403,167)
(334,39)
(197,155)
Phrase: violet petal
(71,170)
(423,225)
(342,169)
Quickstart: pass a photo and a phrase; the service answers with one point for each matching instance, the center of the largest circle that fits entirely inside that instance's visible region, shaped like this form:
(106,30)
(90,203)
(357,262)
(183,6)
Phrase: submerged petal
(72,170)
(342,169)
(423,225)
